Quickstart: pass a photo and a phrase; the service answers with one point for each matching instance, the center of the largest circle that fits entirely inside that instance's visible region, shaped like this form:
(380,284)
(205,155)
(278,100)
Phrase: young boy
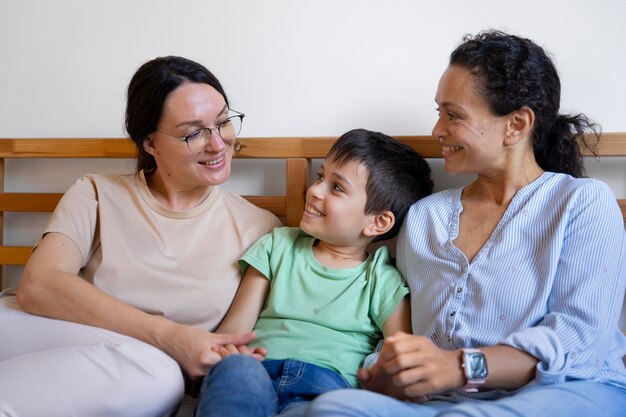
(319,300)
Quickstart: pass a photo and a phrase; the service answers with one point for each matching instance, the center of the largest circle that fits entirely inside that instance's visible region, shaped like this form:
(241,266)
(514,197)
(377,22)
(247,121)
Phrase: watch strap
(472,384)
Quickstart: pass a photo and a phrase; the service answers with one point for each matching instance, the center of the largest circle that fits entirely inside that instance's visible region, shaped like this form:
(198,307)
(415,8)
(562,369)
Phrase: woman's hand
(196,350)
(413,368)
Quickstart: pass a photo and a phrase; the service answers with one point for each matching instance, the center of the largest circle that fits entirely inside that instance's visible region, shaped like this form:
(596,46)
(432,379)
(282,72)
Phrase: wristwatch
(475,366)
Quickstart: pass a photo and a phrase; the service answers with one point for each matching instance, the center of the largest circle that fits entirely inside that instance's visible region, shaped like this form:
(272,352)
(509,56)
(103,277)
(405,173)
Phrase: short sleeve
(388,287)
(258,256)
(76,216)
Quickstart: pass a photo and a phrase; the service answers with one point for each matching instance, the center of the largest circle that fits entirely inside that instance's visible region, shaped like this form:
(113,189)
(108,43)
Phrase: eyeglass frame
(210,129)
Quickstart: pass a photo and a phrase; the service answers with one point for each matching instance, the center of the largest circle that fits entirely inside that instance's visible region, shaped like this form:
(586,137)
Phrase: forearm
(70,298)
(67,297)
(509,368)
(246,307)
(233,324)
(412,367)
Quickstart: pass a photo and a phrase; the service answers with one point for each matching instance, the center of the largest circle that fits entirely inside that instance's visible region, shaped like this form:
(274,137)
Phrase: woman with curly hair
(517,279)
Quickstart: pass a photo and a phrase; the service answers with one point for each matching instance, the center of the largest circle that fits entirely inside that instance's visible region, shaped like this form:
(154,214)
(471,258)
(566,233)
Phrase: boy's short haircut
(397,175)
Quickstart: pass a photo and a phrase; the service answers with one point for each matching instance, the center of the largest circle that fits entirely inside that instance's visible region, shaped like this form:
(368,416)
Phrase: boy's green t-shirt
(324,316)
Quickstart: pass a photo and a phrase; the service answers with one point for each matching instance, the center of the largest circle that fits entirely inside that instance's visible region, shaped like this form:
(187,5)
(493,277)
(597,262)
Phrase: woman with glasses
(134,272)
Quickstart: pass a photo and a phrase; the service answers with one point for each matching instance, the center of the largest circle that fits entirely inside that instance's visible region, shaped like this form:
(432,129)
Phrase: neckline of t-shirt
(157,207)
(327,271)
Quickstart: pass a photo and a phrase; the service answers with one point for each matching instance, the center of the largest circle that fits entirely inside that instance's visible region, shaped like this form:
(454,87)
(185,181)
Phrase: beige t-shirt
(181,264)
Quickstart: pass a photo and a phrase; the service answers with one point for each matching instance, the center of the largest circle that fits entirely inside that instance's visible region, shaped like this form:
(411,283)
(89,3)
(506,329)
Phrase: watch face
(476,365)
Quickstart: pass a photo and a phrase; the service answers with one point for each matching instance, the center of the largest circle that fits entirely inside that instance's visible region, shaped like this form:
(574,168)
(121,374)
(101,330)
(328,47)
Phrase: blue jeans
(240,385)
(570,399)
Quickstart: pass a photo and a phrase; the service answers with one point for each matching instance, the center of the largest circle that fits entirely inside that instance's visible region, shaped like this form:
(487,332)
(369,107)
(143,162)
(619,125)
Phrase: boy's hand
(258,353)
(376,379)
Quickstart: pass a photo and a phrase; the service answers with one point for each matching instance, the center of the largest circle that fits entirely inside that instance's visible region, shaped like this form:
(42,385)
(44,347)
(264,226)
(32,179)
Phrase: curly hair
(513,72)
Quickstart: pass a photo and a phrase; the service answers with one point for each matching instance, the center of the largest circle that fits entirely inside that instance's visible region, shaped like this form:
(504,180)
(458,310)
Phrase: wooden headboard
(296,151)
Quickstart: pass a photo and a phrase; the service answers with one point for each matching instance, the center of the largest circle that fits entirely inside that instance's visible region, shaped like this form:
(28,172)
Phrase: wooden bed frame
(297,152)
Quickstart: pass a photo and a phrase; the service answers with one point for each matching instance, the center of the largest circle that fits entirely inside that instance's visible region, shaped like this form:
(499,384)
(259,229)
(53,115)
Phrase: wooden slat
(622,206)
(297,182)
(18,255)
(67,148)
(266,148)
(46,202)
(611,144)
(275,204)
(280,148)
(29,202)
(14,255)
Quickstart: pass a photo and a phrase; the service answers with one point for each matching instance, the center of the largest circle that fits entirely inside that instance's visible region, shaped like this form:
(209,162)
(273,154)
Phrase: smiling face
(190,107)
(335,204)
(470,133)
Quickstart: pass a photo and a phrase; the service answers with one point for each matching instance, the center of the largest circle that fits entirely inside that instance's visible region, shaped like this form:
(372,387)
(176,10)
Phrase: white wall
(315,67)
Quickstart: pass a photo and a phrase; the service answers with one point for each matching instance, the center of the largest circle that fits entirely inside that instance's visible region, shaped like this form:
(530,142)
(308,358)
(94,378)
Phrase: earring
(237,146)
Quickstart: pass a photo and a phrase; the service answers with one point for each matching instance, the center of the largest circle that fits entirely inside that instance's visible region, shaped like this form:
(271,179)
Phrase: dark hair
(397,175)
(149,88)
(513,72)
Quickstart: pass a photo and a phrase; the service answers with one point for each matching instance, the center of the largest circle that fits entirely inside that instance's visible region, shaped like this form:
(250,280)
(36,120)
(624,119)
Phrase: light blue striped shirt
(550,280)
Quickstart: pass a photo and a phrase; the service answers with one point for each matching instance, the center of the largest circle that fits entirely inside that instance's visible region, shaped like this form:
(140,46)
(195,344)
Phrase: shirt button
(459,289)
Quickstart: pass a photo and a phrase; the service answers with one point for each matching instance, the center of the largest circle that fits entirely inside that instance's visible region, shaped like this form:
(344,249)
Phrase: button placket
(455,302)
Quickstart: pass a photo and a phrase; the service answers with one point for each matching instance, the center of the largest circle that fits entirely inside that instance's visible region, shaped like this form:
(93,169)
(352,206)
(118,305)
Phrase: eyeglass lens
(198,141)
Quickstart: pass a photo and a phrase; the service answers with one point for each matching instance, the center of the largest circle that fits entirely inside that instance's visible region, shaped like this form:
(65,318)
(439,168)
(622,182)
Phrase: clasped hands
(412,368)
(229,349)
(196,350)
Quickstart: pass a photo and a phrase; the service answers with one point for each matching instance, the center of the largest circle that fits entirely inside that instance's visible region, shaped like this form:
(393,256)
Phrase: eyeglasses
(198,140)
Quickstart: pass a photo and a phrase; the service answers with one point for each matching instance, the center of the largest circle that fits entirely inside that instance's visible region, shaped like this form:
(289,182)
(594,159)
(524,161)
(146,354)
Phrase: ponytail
(558,144)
